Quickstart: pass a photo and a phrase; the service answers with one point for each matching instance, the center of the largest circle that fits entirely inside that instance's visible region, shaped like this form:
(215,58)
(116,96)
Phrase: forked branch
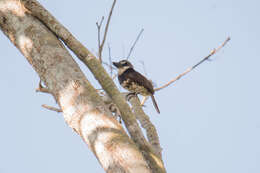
(153,161)
(194,66)
(99,25)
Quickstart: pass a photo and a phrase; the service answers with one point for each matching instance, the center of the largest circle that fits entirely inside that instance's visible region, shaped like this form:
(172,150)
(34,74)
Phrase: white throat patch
(121,70)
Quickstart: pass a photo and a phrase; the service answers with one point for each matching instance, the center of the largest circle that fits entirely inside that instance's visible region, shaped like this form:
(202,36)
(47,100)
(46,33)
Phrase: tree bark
(82,107)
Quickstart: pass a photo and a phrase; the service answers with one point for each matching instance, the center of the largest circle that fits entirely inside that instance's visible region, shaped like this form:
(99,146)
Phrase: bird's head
(122,66)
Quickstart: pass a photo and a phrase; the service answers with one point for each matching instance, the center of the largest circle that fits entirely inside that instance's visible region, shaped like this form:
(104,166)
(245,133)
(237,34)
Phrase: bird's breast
(134,87)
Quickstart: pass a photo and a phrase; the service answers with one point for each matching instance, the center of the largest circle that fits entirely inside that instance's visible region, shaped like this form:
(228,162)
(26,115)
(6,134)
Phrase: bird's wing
(138,78)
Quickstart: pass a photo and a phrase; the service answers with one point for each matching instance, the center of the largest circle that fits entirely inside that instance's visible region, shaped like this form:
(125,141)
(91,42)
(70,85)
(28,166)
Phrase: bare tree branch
(196,65)
(99,28)
(101,46)
(108,65)
(83,109)
(52,108)
(103,78)
(145,98)
(42,89)
(136,40)
(145,122)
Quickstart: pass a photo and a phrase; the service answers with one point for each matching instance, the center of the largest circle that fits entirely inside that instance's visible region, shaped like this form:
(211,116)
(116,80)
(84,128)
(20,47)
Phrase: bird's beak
(116,64)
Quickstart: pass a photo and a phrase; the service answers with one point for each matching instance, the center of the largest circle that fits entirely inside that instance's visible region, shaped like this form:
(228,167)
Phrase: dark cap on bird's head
(122,64)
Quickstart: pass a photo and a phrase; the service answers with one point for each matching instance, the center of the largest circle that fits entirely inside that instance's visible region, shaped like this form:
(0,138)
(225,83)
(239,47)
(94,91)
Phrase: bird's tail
(155,104)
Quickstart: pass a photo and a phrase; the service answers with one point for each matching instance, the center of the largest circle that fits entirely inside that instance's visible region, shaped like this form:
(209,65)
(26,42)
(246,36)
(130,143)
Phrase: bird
(134,81)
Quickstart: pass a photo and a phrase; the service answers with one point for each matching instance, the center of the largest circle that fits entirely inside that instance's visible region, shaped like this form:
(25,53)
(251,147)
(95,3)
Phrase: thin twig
(99,28)
(114,76)
(46,90)
(105,32)
(137,38)
(196,65)
(52,108)
(42,89)
(142,62)
(145,98)
(110,66)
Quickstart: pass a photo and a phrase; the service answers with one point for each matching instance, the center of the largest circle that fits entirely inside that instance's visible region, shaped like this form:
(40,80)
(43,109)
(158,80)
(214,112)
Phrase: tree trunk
(82,107)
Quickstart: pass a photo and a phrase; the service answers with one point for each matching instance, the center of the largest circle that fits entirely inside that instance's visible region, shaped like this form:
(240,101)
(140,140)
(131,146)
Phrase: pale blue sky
(209,121)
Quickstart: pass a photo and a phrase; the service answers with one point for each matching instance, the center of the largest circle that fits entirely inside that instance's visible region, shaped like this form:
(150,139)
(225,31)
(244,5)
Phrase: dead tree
(90,113)
(40,37)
